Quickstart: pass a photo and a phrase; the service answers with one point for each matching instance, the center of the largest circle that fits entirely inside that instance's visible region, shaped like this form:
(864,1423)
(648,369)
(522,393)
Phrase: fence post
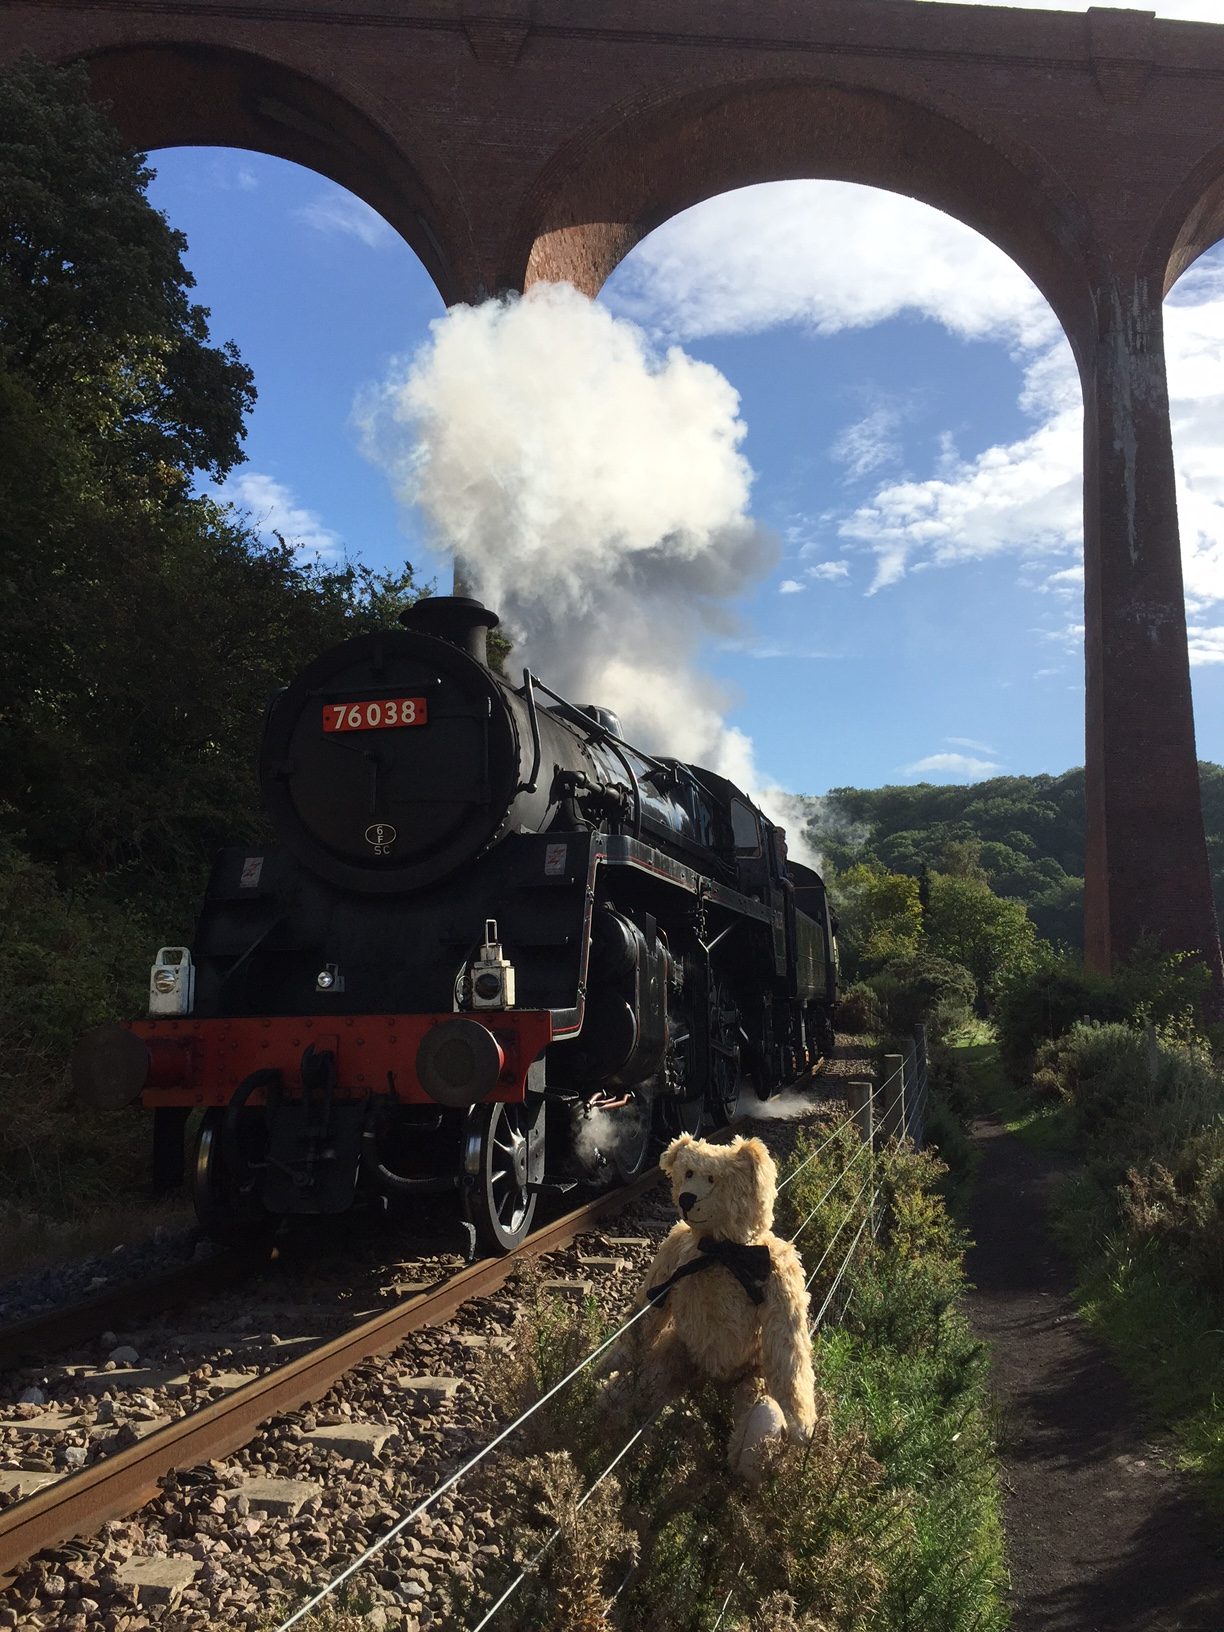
(858,1097)
(909,1083)
(893,1097)
(918,1128)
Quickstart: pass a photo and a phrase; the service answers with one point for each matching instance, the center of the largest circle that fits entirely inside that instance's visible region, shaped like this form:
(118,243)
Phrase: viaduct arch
(514,140)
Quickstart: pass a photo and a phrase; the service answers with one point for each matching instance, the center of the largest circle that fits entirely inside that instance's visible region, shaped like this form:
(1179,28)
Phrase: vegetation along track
(124,1481)
(339,1486)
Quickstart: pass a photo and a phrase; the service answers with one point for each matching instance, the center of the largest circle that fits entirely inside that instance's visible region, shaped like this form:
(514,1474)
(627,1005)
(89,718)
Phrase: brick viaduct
(516,140)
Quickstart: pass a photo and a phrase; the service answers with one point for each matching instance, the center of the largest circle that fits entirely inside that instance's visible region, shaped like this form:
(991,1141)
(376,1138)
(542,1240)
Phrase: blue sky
(912,608)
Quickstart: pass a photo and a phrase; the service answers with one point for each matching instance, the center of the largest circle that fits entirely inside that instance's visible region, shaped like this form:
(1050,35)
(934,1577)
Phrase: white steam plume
(597,497)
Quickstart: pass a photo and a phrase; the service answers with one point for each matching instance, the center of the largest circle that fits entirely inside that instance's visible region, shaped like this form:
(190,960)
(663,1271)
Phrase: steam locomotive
(496,951)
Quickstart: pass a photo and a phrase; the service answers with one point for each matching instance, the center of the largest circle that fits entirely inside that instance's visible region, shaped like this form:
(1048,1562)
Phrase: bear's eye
(709,1178)
(688,1172)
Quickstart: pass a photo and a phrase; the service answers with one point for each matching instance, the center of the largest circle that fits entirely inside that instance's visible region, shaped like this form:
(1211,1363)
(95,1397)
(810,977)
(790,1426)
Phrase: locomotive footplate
(465,1059)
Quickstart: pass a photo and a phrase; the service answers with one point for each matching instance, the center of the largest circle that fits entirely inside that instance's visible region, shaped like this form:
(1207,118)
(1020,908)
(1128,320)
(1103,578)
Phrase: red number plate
(378,716)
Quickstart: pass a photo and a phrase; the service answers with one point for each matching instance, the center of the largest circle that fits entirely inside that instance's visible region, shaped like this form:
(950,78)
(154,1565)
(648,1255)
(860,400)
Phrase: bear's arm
(786,1346)
(667,1259)
(651,1350)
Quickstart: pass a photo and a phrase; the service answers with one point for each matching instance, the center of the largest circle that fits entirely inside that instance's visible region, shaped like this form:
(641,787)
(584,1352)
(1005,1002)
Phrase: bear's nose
(685,1201)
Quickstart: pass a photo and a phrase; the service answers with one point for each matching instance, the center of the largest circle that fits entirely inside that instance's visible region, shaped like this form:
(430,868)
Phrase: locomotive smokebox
(459,619)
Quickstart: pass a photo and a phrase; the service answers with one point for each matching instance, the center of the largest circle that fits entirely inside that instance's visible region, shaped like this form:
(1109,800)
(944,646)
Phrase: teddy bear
(727,1299)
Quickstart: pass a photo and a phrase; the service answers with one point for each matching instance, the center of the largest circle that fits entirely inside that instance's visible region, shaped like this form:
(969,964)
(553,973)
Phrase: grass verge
(1043,1124)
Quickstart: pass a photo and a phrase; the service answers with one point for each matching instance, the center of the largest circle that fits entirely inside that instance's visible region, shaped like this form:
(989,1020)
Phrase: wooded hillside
(1030,828)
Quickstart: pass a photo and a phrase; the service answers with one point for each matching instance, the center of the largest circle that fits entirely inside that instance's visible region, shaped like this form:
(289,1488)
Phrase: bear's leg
(759,1422)
(652,1368)
(667,1368)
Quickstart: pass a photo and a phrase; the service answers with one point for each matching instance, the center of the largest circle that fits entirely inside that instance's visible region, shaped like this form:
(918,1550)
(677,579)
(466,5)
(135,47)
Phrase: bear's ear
(754,1154)
(674,1152)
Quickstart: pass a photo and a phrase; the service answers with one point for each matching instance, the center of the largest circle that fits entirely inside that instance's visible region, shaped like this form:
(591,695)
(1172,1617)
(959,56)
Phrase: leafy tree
(925,990)
(879,917)
(1028,833)
(132,740)
(145,628)
(968,924)
(96,322)
(962,858)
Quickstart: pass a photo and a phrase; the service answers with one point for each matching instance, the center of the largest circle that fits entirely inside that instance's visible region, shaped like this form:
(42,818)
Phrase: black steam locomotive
(497,950)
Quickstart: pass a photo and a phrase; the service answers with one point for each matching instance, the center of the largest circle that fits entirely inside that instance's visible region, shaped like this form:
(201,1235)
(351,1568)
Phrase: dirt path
(1102,1537)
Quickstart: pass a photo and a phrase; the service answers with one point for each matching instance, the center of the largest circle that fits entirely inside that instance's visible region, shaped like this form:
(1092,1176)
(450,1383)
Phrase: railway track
(79,1503)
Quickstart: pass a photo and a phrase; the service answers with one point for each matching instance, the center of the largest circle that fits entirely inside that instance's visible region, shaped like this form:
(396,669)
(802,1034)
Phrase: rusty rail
(80,1503)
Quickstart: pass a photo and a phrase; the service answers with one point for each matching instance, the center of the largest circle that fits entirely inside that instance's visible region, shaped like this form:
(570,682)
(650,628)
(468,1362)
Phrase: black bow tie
(751,1266)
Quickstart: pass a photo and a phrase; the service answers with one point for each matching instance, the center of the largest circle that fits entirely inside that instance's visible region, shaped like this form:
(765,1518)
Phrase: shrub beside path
(1103,1537)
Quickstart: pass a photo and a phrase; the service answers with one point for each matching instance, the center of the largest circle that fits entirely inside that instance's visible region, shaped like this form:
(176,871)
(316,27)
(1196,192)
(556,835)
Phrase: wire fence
(904,1093)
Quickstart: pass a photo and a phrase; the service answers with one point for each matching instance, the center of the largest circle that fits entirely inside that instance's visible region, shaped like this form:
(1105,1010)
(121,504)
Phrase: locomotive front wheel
(677,1116)
(632,1146)
(497,1163)
(226,1213)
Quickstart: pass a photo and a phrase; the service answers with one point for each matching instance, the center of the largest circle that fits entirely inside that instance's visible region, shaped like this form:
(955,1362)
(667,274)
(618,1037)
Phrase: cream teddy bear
(729,1299)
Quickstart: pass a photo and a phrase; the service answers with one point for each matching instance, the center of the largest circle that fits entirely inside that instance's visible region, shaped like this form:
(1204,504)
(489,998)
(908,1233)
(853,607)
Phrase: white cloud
(869,443)
(953,767)
(338,212)
(830,572)
(829,256)
(1067,581)
(1023,497)
(1070,635)
(791,586)
(274,509)
(970,742)
(1206,645)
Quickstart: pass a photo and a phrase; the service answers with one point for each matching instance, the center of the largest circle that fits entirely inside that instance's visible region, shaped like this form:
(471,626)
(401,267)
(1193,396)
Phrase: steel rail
(81,1502)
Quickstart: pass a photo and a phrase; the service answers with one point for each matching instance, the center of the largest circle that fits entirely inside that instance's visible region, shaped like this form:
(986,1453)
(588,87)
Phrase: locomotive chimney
(459,619)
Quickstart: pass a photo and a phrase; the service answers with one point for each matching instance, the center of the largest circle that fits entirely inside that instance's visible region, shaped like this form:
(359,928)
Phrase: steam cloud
(596,495)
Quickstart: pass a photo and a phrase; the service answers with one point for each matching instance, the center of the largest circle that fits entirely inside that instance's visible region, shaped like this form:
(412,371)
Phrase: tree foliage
(1024,835)
(145,628)
(879,915)
(967,923)
(1028,832)
(97,327)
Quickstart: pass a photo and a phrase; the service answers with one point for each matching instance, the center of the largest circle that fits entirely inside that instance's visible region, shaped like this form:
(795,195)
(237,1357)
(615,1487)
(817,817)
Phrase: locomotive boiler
(496,950)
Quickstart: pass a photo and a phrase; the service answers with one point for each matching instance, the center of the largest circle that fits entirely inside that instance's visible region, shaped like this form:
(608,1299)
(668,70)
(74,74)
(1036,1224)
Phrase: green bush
(1135,1100)
(68,958)
(1179,1205)
(951,1107)
(858,1011)
(1151,988)
(1145,1217)
(1044,1003)
(924,990)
